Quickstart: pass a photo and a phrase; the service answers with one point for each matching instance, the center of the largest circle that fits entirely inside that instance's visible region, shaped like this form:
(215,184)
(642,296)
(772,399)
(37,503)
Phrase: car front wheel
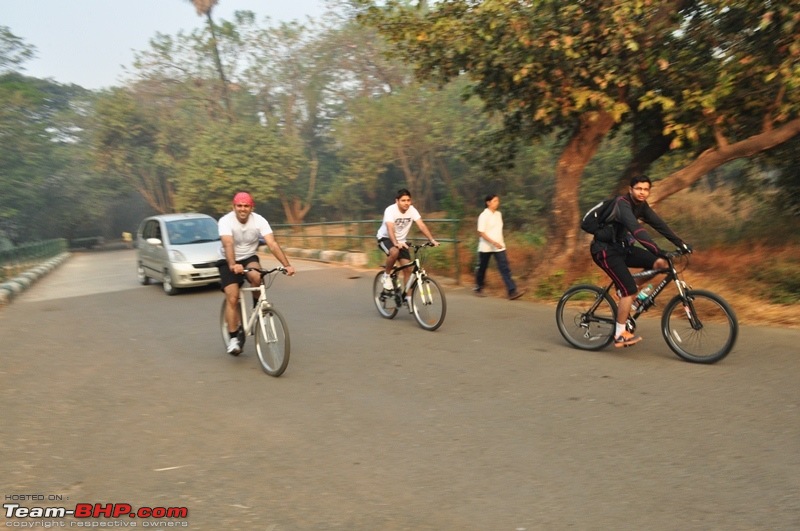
(141,275)
(166,284)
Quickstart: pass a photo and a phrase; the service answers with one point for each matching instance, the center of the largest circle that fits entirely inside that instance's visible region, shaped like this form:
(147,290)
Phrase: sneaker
(478,292)
(233,346)
(516,294)
(387,283)
(626,339)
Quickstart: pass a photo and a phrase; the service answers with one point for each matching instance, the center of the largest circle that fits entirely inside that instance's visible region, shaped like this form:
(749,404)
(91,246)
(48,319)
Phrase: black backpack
(598,216)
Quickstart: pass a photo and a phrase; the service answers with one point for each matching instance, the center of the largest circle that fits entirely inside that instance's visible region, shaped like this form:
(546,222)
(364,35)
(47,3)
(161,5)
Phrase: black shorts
(384,244)
(615,261)
(226,277)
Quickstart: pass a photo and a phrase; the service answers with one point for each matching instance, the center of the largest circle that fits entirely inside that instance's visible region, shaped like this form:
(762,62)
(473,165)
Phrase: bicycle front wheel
(272,342)
(384,302)
(701,328)
(428,304)
(586,317)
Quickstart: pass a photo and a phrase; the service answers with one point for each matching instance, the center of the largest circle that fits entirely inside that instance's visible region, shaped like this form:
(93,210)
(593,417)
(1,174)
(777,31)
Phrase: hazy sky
(86,42)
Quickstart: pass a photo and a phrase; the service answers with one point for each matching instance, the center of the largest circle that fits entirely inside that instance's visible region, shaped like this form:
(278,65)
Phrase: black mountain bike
(699,326)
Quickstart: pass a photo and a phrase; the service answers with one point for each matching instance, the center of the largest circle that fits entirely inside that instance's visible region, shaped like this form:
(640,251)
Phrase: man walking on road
(491,243)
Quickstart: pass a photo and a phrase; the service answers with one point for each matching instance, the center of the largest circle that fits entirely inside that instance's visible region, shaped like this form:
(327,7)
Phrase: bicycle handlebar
(265,272)
(418,246)
(676,253)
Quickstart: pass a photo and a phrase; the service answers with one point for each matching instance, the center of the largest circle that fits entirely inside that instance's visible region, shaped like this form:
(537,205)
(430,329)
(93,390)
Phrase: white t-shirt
(491,224)
(402,222)
(245,236)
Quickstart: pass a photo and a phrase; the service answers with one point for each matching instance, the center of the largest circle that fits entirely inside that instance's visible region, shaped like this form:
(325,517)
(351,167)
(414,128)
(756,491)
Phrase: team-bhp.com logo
(95,510)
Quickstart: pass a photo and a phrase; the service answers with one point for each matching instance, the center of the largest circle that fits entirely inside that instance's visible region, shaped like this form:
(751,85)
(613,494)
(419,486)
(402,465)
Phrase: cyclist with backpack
(613,248)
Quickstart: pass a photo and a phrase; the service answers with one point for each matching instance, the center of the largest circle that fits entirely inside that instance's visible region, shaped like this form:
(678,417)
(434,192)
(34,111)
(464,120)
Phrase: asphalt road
(114,393)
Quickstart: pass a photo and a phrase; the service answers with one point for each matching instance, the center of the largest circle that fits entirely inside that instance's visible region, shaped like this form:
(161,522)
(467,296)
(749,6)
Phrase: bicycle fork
(424,287)
(267,323)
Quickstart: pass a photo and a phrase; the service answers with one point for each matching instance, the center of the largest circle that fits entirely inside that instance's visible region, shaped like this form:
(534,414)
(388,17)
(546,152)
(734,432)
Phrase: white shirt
(402,222)
(245,236)
(491,224)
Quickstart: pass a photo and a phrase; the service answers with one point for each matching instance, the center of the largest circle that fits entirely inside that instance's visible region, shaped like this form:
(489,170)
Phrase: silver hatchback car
(178,250)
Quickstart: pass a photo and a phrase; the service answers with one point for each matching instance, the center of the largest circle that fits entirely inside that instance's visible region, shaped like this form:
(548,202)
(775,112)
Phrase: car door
(160,258)
(148,251)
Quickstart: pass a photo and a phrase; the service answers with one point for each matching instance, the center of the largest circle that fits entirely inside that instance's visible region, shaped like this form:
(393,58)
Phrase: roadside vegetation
(552,104)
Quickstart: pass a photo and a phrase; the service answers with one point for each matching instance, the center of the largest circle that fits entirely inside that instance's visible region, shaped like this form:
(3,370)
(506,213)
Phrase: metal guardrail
(21,256)
(358,235)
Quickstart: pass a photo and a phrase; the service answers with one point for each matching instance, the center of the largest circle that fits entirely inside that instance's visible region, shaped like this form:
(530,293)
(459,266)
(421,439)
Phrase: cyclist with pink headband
(240,231)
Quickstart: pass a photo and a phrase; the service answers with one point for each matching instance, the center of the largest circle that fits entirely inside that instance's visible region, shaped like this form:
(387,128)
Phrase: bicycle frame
(418,273)
(672,275)
(249,318)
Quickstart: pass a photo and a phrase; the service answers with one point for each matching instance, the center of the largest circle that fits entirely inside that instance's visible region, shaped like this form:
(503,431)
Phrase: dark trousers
(502,265)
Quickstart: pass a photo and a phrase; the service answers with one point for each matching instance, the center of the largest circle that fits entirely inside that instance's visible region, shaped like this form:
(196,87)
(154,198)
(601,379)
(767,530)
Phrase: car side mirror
(154,241)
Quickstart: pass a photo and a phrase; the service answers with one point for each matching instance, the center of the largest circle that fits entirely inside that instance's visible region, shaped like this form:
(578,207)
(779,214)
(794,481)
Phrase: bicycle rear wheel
(586,317)
(384,302)
(272,342)
(701,330)
(428,304)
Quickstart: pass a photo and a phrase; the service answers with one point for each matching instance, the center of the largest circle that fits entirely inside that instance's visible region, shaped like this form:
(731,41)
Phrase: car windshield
(195,230)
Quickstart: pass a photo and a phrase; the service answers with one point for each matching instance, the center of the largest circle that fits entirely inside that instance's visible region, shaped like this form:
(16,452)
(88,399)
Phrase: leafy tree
(418,133)
(132,148)
(45,163)
(14,52)
(736,96)
(230,157)
(674,69)
(276,79)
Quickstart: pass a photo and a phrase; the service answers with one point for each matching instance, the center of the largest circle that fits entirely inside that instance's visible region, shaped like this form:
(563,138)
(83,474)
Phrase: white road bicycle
(423,296)
(264,322)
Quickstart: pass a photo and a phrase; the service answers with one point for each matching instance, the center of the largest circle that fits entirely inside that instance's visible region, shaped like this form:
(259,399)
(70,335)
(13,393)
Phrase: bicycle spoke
(428,304)
(586,317)
(702,331)
(272,342)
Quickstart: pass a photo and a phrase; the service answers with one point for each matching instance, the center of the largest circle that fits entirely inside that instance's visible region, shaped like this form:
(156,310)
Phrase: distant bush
(781,280)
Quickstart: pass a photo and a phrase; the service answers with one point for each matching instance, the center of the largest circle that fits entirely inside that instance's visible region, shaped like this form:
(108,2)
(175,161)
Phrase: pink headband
(243,198)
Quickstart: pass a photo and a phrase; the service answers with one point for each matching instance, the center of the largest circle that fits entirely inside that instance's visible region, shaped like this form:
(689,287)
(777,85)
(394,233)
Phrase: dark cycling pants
(615,261)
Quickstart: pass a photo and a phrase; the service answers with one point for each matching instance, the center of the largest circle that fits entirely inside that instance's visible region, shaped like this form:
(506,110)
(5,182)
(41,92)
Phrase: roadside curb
(10,289)
(355,259)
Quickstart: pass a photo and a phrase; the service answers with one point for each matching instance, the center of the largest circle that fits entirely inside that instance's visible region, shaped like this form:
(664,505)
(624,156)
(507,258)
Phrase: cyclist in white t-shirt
(239,231)
(397,219)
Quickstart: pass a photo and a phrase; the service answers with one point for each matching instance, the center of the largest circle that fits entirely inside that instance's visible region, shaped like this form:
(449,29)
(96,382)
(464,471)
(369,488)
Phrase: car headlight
(176,256)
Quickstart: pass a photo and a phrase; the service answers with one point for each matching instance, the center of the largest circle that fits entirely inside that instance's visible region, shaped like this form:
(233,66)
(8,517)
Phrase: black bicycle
(698,325)
(422,295)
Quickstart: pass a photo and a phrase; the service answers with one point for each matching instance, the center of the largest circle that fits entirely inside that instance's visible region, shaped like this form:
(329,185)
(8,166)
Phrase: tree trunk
(296,208)
(716,157)
(412,181)
(226,99)
(564,230)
